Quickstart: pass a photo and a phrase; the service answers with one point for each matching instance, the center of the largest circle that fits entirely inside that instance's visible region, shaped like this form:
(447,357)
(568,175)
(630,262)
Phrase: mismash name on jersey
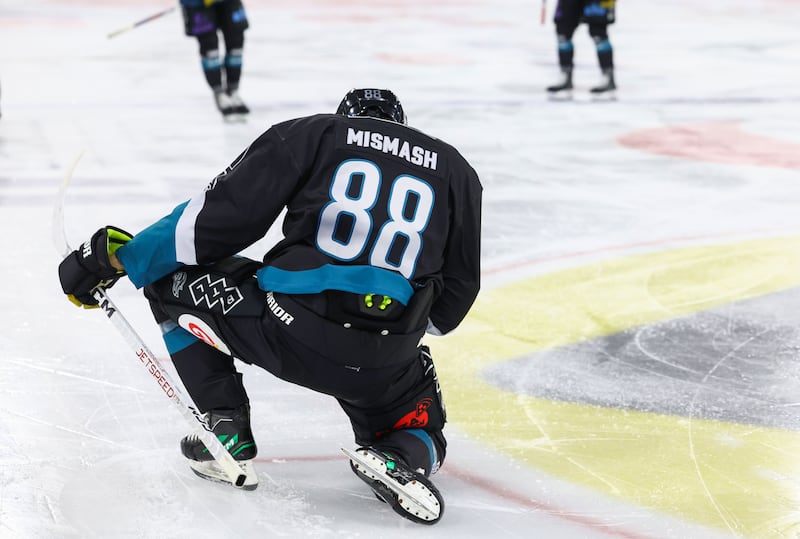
(416,155)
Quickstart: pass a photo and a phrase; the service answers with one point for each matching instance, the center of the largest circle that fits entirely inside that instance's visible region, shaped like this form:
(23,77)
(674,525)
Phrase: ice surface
(630,368)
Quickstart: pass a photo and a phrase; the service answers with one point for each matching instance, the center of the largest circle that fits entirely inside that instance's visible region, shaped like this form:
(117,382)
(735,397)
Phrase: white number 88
(404,189)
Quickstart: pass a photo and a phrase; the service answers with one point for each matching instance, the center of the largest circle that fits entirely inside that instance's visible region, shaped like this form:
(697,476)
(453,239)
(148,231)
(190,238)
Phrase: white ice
(88,445)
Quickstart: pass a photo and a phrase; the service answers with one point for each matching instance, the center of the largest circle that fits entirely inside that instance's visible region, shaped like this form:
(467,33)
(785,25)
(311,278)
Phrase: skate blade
(564,95)
(415,498)
(211,471)
(611,95)
(234,118)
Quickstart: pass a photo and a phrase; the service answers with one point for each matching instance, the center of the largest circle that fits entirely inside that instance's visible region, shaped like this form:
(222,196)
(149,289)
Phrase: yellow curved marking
(745,479)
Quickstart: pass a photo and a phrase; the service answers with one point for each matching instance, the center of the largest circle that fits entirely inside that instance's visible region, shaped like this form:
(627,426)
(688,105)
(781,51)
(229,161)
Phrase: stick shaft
(138,23)
(153,366)
(143,353)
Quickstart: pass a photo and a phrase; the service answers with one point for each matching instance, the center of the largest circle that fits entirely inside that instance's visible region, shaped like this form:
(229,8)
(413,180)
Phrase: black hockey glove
(88,267)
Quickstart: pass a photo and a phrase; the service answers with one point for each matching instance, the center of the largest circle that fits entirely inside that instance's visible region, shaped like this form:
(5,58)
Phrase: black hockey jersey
(373,206)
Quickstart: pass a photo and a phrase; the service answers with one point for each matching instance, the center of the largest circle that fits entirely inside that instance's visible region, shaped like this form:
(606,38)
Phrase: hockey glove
(88,267)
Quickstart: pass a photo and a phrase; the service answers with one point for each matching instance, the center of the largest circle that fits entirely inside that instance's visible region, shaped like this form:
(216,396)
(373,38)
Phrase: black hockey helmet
(372,102)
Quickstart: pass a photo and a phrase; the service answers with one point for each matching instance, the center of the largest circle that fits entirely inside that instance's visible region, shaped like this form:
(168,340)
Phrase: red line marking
(530,503)
(495,490)
(719,142)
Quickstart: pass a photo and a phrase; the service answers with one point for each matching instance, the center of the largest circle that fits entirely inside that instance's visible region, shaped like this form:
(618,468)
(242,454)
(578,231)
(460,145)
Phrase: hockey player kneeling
(382,244)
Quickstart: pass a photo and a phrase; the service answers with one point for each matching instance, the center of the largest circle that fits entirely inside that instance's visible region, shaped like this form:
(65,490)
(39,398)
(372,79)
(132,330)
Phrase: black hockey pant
(386,384)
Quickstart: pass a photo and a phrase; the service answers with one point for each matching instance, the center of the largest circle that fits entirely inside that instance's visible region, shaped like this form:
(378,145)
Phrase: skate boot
(224,103)
(232,428)
(409,493)
(563,88)
(606,87)
(236,101)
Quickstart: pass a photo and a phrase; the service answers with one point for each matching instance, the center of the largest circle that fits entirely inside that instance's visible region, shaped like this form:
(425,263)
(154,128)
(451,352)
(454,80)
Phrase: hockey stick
(147,359)
(152,17)
(543,13)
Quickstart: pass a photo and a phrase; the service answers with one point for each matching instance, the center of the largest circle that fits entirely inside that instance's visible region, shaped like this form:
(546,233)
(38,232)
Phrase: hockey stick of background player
(147,359)
(152,17)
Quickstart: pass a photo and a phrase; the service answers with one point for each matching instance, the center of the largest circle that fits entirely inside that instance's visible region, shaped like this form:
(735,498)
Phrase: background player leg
(605,58)
(566,19)
(211,62)
(566,52)
(234,46)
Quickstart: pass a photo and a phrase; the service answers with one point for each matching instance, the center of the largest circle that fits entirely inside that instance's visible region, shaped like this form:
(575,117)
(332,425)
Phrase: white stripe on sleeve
(185,252)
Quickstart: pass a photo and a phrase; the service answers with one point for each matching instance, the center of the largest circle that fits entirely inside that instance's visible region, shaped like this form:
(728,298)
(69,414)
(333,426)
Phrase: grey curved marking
(737,363)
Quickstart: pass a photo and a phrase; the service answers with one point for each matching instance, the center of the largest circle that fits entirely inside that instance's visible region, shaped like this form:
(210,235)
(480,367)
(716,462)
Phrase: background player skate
(597,14)
(203,19)
(382,242)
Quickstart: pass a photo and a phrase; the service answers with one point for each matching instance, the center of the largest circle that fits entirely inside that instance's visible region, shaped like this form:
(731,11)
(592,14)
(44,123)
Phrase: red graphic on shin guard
(416,419)
(198,332)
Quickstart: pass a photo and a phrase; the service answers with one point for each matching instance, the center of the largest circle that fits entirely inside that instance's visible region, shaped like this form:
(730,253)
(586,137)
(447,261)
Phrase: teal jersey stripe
(151,253)
(356,279)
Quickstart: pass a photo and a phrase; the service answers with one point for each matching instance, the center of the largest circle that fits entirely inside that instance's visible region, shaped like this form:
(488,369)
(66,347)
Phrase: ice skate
(232,428)
(224,103)
(562,90)
(236,101)
(228,107)
(606,89)
(410,494)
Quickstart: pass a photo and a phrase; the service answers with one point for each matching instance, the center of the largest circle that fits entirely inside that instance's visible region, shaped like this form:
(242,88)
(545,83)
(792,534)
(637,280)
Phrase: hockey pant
(386,384)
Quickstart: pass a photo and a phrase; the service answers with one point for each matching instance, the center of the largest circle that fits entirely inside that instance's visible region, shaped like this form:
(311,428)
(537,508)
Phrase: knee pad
(233,58)
(565,44)
(211,60)
(602,45)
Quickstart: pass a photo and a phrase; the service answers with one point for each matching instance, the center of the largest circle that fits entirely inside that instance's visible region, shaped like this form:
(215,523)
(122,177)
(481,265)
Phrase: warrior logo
(178,280)
(217,292)
(279,312)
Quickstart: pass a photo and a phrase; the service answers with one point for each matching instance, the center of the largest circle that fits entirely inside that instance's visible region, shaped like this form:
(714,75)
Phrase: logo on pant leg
(279,312)
(213,293)
(416,419)
(178,282)
(202,331)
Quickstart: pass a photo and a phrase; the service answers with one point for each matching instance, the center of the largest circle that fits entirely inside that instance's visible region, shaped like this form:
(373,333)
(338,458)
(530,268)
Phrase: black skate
(229,108)
(563,88)
(238,105)
(232,428)
(410,494)
(607,87)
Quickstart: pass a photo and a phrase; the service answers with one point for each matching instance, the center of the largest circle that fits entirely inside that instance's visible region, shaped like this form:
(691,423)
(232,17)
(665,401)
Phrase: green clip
(385,302)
